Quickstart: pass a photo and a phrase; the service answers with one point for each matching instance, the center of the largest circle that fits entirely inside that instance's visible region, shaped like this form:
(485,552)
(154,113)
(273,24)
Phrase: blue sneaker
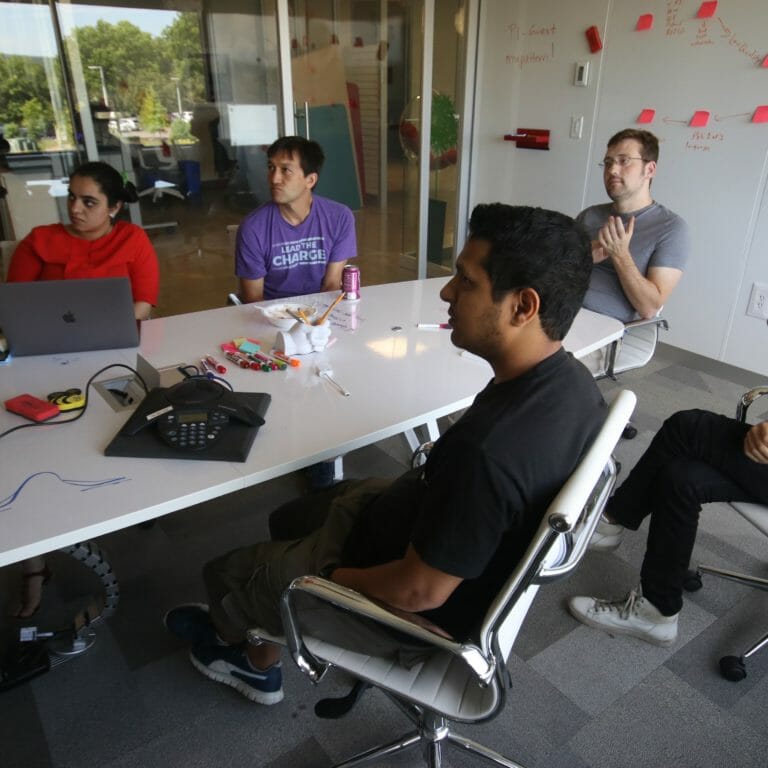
(229,665)
(191,622)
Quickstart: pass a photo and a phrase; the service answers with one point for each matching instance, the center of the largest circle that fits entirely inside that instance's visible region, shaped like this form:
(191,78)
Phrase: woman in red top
(93,244)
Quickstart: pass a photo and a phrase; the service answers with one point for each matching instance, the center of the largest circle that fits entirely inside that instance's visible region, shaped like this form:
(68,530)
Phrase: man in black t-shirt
(439,541)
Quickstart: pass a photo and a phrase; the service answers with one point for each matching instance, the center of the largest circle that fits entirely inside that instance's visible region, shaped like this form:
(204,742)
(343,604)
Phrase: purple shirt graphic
(292,260)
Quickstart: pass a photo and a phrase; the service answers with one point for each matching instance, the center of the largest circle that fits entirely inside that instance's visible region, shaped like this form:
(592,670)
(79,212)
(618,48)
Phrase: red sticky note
(646,116)
(707,10)
(765,62)
(761,115)
(644,22)
(700,118)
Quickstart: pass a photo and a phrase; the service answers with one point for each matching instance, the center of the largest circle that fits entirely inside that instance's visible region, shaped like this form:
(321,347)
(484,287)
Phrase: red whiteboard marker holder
(593,38)
(529,138)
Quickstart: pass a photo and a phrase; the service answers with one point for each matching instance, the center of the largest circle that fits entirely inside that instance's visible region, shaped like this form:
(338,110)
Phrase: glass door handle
(298,114)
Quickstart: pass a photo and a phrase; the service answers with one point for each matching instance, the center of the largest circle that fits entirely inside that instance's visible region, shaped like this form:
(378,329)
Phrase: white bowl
(280,314)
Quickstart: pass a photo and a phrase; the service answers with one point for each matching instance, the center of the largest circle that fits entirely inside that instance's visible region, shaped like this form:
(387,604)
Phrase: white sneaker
(607,536)
(633,616)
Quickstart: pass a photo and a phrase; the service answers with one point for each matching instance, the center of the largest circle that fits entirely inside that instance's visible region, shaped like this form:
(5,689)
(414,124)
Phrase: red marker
(266,360)
(257,364)
(242,362)
(215,364)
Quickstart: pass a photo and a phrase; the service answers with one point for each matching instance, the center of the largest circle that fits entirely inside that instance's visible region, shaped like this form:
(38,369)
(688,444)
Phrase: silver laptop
(49,316)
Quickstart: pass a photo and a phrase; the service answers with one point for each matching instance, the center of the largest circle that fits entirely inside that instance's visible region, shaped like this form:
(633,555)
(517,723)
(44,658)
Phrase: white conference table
(58,488)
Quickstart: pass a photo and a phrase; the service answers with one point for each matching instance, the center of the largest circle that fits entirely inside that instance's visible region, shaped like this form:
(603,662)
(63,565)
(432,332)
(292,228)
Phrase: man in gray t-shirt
(639,248)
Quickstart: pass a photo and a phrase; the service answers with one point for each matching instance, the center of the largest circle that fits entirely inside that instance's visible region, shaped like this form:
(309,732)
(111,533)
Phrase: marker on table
(274,361)
(433,325)
(262,361)
(215,364)
(292,361)
(235,358)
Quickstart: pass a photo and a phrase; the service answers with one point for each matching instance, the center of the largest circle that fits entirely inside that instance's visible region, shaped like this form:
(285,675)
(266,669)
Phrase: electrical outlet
(758,301)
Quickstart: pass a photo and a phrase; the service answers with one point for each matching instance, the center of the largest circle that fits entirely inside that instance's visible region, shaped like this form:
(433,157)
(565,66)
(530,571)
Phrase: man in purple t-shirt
(299,242)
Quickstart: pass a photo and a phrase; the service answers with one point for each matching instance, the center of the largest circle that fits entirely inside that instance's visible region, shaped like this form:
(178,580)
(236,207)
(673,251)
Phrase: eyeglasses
(621,160)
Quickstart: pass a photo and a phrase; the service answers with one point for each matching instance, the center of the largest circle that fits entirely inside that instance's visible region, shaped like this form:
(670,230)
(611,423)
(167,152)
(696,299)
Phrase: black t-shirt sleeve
(466,508)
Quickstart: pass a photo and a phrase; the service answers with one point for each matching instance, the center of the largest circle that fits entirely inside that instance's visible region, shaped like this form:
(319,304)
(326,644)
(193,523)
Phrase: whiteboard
(711,174)
(714,175)
(248,125)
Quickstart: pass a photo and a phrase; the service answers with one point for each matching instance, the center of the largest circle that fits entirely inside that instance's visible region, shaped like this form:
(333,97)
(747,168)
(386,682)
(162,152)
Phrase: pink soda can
(350,282)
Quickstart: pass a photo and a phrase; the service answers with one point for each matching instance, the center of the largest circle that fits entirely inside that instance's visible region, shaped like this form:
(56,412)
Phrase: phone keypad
(193,434)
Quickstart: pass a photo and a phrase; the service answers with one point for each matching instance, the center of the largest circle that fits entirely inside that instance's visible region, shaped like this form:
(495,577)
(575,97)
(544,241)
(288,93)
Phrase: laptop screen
(50,316)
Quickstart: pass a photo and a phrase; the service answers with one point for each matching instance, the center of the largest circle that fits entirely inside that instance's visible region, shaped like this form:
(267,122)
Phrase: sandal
(32,593)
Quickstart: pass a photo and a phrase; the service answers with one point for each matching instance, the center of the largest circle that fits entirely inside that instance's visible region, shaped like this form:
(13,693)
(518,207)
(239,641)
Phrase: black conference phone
(197,418)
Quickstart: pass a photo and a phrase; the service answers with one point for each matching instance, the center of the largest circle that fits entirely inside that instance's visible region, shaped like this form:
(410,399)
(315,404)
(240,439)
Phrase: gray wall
(715,177)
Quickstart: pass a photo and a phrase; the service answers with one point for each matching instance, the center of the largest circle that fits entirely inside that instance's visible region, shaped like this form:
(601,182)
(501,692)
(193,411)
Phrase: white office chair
(465,682)
(734,667)
(154,163)
(633,350)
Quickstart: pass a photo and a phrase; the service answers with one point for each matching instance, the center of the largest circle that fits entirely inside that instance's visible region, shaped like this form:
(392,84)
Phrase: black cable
(81,412)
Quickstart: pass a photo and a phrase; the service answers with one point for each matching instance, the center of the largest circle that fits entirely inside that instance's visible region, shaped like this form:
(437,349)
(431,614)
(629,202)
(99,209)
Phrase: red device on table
(32,407)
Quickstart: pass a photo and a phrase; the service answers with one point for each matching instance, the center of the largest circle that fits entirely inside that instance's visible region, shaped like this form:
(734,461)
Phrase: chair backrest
(152,158)
(7,247)
(562,538)
(747,399)
(757,514)
(637,345)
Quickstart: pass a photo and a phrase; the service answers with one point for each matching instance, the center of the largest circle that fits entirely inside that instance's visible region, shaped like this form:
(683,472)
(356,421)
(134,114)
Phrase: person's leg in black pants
(696,458)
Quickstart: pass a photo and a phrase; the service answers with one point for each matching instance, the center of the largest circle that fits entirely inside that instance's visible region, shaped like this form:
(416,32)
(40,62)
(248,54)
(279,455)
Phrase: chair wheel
(630,432)
(692,581)
(732,668)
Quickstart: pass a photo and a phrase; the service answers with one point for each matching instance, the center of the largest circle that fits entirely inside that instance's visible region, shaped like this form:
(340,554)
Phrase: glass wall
(183,96)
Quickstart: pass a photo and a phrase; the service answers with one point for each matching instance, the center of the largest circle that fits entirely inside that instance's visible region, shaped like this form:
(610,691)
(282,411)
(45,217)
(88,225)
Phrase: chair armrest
(419,456)
(660,321)
(357,604)
(747,399)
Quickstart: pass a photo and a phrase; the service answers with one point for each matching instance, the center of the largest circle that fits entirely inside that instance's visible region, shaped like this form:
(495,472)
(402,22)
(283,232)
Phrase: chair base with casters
(160,188)
(734,668)
(451,681)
